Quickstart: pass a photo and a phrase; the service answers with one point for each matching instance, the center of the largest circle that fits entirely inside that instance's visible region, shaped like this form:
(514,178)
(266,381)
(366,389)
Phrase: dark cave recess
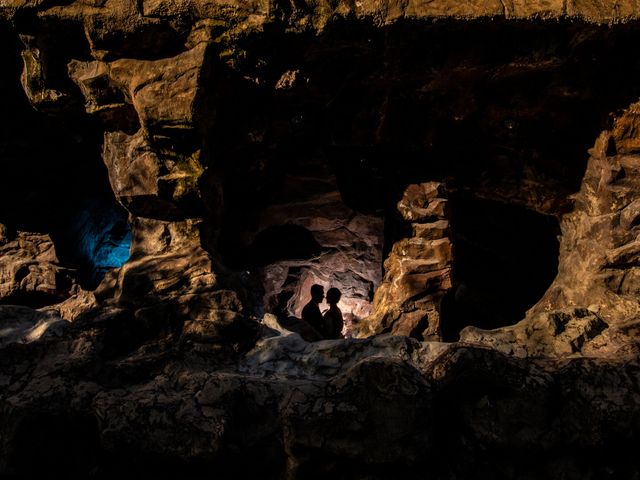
(505,259)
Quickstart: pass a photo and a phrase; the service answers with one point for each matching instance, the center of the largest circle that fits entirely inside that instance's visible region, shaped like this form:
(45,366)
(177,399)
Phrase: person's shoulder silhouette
(311,311)
(333,321)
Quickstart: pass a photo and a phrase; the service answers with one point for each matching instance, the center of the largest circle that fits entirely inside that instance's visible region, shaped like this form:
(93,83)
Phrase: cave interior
(315,138)
(502,114)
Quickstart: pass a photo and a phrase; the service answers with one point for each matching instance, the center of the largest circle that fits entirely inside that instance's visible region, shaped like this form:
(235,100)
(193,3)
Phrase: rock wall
(598,253)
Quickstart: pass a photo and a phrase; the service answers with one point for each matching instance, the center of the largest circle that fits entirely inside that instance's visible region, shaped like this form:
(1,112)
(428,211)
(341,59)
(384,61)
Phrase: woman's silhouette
(333,321)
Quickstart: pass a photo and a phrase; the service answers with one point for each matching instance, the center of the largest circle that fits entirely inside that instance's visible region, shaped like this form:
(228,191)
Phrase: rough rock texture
(24,325)
(599,249)
(545,335)
(260,147)
(148,181)
(358,408)
(418,269)
(30,273)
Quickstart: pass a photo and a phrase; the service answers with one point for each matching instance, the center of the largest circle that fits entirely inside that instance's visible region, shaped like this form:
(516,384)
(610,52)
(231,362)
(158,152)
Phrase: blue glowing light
(115,254)
(103,237)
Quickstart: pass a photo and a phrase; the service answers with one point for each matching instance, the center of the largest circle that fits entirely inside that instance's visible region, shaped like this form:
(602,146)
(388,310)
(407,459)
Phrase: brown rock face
(418,269)
(30,273)
(160,96)
(177,174)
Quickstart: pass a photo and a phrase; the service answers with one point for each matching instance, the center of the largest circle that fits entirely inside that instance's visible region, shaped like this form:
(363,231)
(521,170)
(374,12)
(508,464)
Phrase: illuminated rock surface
(177,174)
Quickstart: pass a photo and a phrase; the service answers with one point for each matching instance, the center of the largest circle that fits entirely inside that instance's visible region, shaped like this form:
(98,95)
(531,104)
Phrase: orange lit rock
(417,271)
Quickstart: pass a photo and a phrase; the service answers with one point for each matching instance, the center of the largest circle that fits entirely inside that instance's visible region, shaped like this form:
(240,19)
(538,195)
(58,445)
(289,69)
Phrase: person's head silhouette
(317,293)
(333,296)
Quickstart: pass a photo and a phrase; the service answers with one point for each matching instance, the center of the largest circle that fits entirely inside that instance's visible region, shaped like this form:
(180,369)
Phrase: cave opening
(506,257)
(296,230)
(97,238)
(66,193)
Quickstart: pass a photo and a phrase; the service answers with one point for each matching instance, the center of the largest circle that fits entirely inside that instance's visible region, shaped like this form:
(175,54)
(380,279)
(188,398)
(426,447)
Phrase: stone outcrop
(30,272)
(598,248)
(418,269)
(24,325)
(160,96)
(553,334)
(303,410)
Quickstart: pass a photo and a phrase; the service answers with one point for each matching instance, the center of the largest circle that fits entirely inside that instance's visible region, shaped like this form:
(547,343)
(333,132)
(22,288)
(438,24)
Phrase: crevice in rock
(37,299)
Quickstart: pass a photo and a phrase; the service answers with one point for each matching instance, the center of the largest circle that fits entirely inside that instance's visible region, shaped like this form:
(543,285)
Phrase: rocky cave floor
(175,175)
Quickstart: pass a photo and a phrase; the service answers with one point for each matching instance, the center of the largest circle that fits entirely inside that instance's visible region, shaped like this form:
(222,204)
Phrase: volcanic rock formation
(177,174)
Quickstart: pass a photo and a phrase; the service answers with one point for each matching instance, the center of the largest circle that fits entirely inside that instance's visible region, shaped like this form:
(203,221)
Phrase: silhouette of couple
(329,325)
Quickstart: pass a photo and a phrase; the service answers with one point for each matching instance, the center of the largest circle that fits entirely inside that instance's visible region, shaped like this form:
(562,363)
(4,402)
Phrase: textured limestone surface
(223,156)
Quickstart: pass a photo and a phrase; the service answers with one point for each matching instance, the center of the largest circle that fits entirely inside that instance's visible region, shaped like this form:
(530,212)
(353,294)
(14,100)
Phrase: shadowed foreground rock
(378,408)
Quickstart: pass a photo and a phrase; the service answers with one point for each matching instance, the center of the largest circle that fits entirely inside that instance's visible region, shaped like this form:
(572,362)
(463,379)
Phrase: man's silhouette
(311,311)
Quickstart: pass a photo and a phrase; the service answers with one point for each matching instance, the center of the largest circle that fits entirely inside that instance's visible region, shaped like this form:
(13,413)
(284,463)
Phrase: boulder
(30,273)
